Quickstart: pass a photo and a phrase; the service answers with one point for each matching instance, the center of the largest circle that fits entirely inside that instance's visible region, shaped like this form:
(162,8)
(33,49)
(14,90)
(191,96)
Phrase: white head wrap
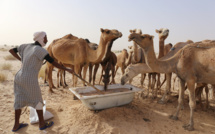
(39,37)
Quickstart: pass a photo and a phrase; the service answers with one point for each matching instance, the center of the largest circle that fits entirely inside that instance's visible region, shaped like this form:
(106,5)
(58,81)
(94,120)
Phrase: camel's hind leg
(143,76)
(180,100)
(158,89)
(50,69)
(192,104)
(166,94)
(154,90)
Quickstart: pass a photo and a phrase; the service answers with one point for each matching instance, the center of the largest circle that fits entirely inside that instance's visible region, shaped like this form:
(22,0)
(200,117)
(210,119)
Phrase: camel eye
(126,75)
(108,32)
(142,37)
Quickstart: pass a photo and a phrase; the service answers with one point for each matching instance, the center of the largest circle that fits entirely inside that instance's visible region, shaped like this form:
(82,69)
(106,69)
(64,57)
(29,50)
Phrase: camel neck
(161,48)
(98,55)
(159,66)
(136,58)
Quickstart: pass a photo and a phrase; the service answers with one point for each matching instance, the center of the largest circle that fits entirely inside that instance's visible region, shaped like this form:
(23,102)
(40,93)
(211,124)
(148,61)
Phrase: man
(26,87)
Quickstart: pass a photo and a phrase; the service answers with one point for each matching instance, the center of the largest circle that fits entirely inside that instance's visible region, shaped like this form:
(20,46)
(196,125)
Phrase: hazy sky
(186,19)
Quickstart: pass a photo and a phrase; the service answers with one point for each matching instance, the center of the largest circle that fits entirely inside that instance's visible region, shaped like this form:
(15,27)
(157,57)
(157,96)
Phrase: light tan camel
(193,64)
(137,56)
(123,59)
(134,70)
(78,53)
(163,34)
(167,48)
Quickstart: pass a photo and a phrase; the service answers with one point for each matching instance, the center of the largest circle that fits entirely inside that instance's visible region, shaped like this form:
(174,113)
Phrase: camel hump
(70,36)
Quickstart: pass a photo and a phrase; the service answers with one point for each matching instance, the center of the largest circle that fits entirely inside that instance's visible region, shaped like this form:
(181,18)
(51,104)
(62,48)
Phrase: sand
(141,116)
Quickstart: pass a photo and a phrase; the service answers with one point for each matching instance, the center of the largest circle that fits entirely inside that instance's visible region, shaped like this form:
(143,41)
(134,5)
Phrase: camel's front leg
(94,73)
(113,74)
(166,95)
(158,89)
(154,90)
(143,76)
(84,73)
(192,103)
(180,100)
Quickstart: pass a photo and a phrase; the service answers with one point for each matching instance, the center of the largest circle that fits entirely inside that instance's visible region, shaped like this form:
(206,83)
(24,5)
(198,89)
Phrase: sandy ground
(141,116)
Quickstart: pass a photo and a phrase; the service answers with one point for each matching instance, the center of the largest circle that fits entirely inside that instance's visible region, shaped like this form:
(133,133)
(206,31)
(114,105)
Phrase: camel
(193,64)
(61,74)
(123,60)
(137,56)
(78,53)
(163,34)
(134,70)
(109,57)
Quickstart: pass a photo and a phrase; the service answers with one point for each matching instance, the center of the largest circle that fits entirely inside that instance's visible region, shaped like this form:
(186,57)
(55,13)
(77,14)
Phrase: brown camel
(123,59)
(78,53)
(193,64)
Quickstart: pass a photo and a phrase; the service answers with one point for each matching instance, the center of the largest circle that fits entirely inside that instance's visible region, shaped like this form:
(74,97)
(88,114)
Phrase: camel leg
(77,71)
(64,76)
(113,74)
(180,100)
(154,90)
(149,85)
(90,72)
(58,73)
(101,76)
(158,85)
(117,67)
(123,70)
(207,92)
(62,79)
(46,75)
(143,76)
(94,73)
(84,73)
(192,104)
(166,95)
(174,79)
(50,69)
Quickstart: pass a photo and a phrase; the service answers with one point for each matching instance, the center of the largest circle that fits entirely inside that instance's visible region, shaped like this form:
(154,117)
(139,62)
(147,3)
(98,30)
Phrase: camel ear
(130,31)
(151,37)
(102,30)
(157,31)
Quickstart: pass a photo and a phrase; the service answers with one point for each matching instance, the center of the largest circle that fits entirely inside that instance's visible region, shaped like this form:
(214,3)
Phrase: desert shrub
(2,77)
(9,57)
(6,66)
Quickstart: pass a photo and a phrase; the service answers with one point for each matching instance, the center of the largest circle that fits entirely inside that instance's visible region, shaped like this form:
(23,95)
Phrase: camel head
(131,50)
(110,35)
(129,74)
(139,31)
(143,40)
(163,33)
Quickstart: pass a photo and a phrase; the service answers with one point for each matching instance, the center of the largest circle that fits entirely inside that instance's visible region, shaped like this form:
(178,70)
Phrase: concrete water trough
(116,95)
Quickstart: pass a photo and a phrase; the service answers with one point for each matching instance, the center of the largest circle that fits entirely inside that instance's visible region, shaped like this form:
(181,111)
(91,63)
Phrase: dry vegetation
(2,77)
(3,49)
(6,66)
(9,57)
(42,72)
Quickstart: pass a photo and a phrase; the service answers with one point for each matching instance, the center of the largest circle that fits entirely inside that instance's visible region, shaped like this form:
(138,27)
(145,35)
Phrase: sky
(185,19)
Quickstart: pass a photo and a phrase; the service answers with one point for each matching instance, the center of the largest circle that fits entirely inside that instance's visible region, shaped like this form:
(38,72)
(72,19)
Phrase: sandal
(47,125)
(21,125)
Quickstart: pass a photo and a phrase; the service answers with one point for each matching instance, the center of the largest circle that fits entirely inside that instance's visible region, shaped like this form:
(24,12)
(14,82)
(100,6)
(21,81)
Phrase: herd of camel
(192,62)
